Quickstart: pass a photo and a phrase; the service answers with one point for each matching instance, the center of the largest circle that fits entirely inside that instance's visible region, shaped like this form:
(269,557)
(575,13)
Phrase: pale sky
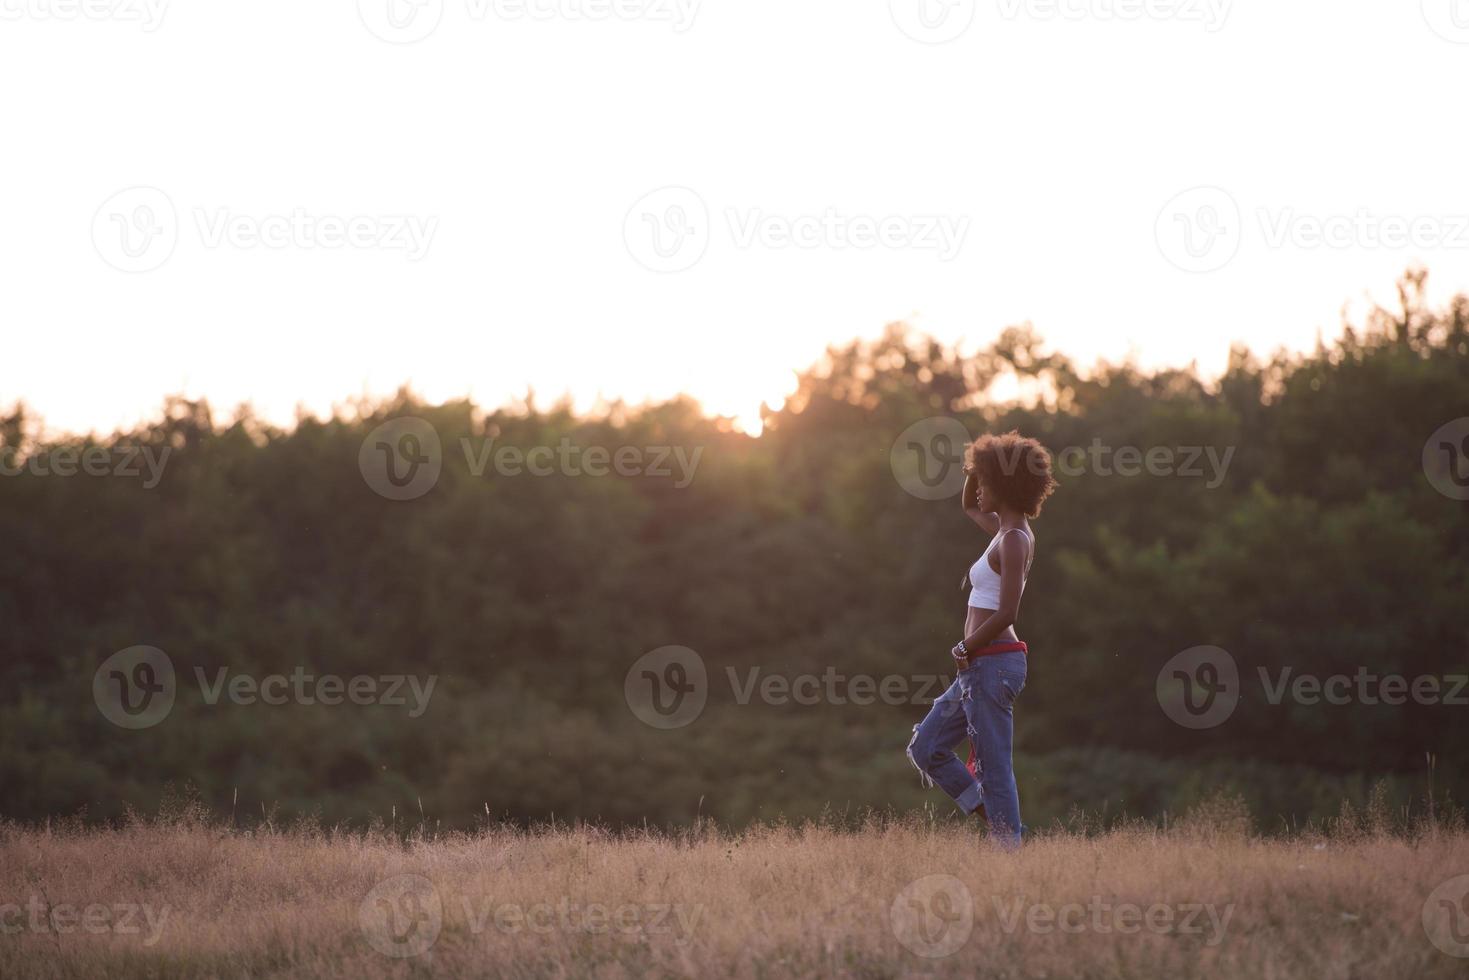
(605,196)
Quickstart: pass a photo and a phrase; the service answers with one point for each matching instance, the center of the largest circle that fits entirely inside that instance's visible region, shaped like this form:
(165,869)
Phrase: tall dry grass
(900,897)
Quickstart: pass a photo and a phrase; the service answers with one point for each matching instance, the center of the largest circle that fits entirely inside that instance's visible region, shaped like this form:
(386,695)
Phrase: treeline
(1314,540)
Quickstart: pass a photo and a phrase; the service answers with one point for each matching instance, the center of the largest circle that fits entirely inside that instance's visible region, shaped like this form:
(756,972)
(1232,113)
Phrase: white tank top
(984,581)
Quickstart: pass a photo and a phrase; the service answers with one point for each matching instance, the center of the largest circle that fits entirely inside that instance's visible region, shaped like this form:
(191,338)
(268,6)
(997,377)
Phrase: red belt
(1013,646)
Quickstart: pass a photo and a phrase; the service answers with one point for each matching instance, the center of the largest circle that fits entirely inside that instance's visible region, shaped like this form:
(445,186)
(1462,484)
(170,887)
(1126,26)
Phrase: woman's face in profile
(985,498)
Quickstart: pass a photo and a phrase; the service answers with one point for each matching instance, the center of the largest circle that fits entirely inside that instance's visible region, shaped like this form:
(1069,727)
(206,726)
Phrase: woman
(1007,479)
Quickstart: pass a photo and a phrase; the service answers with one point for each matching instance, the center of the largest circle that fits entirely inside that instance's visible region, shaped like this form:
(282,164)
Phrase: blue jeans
(980,704)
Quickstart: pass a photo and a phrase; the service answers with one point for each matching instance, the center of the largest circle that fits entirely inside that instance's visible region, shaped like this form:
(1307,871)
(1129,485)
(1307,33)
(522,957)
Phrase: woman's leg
(993,685)
(931,750)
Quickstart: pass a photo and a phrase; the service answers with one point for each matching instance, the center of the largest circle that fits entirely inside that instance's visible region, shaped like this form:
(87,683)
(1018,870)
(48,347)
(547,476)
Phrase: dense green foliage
(1324,548)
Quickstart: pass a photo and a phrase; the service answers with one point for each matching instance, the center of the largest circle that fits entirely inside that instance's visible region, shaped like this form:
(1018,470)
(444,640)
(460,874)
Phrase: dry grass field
(1204,898)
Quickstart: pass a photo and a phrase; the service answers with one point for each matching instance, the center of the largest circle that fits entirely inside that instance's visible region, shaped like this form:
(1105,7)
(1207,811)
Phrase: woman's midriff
(977,616)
